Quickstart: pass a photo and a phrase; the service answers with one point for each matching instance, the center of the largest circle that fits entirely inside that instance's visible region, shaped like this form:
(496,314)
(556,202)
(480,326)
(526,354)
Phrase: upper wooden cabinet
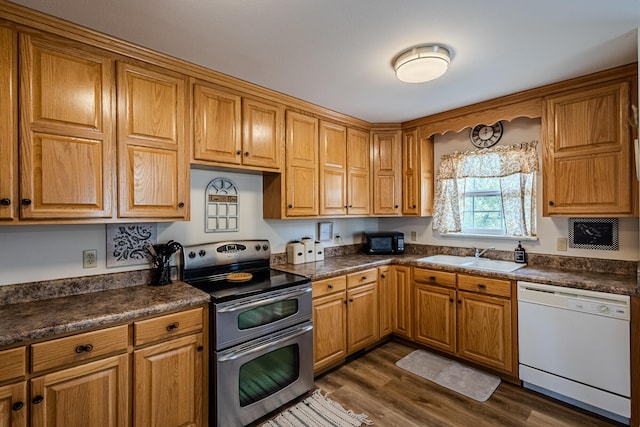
(236,131)
(344,170)
(387,170)
(67,140)
(588,155)
(8,124)
(417,174)
(153,163)
(301,165)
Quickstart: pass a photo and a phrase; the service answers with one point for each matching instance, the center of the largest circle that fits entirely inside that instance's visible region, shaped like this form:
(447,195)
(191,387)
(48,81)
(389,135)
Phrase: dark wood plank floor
(392,397)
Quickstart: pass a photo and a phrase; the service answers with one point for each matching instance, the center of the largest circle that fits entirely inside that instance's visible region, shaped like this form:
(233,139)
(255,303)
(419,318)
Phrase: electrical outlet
(90,258)
(562,244)
(414,236)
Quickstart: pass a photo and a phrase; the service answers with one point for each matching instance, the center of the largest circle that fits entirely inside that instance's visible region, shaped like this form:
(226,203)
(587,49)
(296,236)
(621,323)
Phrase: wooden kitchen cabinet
(92,394)
(435,309)
(385,300)
(13,394)
(262,124)
(329,322)
(153,161)
(9,200)
(402,304)
(362,309)
(387,173)
(67,130)
(301,174)
(344,170)
(417,174)
(588,153)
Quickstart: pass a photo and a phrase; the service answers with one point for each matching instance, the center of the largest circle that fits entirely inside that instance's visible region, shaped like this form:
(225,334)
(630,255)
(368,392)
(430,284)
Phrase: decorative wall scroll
(593,233)
(221,206)
(126,242)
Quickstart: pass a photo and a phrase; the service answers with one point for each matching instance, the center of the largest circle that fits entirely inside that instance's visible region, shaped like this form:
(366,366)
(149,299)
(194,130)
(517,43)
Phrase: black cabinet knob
(26,202)
(17,406)
(395,207)
(330,286)
(238,152)
(290,206)
(38,399)
(181,205)
(450,299)
(192,254)
(382,276)
(200,348)
(551,203)
(413,206)
(202,252)
(246,153)
(173,326)
(84,348)
(5,202)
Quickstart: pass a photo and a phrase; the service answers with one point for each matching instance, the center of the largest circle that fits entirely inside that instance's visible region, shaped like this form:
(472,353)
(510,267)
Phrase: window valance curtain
(515,166)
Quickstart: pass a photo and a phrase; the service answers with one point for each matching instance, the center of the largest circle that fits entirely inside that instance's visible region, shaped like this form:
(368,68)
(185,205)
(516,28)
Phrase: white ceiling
(338,53)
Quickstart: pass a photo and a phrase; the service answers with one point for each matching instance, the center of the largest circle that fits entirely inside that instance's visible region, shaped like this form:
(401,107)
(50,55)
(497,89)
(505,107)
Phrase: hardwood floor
(392,397)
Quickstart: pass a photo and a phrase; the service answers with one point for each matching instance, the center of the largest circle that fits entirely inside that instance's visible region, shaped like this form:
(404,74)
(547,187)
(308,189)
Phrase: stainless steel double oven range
(261,330)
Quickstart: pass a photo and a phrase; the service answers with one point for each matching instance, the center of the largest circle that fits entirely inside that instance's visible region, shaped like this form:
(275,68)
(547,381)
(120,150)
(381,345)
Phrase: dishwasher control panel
(609,309)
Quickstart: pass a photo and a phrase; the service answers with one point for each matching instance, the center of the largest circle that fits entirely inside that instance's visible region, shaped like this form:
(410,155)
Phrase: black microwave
(391,242)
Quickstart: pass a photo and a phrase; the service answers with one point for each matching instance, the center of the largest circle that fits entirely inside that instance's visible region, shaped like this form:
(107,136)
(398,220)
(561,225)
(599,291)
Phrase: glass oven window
(266,314)
(267,374)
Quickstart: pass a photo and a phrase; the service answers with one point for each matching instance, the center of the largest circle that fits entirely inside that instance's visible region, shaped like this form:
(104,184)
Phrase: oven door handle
(248,305)
(262,345)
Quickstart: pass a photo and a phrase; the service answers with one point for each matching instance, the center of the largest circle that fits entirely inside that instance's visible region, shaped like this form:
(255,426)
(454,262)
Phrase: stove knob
(192,254)
(202,252)
(265,247)
(257,247)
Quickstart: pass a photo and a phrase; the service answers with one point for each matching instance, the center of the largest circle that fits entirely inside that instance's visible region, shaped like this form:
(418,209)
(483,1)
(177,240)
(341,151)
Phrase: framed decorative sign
(126,243)
(221,206)
(593,233)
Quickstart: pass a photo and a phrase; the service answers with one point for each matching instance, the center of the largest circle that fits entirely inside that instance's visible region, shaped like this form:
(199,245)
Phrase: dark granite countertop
(31,320)
(602,282)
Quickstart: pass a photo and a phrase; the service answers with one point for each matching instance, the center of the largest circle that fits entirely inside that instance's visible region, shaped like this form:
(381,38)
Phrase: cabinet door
(67,142)
(410,173)
(385,300)
(435,316)
(217,135)
(358,172)
(362,317)
(484,330)
(387,166)
(261,134)
(588,158)
(93,394)
(329,330)
(168,385)
(402,301)
(8,124)
(153,166)
(301,172)
(13,405)
(333,169)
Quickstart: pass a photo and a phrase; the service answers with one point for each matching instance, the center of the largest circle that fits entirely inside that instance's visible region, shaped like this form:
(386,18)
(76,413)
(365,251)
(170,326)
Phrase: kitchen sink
(473,262)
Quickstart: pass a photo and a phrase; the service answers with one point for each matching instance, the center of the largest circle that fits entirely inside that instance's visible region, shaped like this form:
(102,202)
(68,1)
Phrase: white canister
(309,249)
(319,251)
(295,253)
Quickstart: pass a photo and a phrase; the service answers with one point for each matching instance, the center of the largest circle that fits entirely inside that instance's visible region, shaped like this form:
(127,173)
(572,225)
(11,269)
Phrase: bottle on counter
(520,256)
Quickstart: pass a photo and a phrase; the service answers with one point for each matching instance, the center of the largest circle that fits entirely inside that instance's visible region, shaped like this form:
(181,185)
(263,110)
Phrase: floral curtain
(514,165)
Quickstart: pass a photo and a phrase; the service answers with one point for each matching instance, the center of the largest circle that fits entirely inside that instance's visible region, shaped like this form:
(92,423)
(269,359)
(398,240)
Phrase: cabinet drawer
(329,286)
(484,285)
(362,277)
(159,328)
(13,363)
(62,351)
(441,278)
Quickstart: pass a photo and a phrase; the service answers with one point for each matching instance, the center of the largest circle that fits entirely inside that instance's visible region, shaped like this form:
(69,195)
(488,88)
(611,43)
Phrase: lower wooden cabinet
(385,300)
(169,383)
(329,322)
(401,310)
(435,316)
(362,317)
(13,405)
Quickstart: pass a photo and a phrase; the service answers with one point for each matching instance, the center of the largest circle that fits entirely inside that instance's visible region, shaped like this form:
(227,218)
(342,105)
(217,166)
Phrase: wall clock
(485,136)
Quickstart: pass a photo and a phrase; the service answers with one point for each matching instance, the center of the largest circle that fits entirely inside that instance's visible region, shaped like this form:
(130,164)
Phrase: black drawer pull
(329,286)
(5,202)
(84,348)
(38,399)
(482,286)
(26,202)
(173,326)
(432,278)
(17,406)
(364,278)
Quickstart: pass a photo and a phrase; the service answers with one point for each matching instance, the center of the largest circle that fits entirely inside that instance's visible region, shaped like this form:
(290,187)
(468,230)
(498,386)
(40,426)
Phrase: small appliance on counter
(389,242)
(295,252)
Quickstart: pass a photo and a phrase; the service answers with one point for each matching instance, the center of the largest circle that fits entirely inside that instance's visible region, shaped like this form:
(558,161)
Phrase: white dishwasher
(574,345)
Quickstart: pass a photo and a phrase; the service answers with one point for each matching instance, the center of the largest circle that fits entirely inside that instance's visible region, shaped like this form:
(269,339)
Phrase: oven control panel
(228,252)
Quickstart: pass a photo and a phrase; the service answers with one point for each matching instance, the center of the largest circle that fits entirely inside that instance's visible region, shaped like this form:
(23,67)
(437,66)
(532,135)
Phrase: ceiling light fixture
(422,63)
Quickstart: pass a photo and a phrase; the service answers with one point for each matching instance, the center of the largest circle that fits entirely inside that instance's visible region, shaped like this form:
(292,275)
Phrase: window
(482,212)
(490,191)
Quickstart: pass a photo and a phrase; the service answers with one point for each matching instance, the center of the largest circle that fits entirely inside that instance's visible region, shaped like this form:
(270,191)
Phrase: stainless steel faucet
(480,252)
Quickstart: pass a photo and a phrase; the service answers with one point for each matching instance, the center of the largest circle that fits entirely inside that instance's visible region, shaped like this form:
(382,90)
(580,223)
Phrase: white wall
(37,252)
(549,229)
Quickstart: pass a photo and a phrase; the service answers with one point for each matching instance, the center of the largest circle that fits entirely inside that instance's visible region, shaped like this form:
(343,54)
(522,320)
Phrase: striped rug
(318,410)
